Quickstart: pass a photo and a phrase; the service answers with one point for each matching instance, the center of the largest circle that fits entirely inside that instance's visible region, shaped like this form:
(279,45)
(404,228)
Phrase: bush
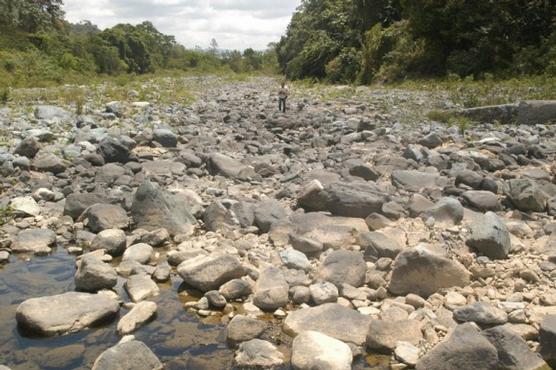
(4,95)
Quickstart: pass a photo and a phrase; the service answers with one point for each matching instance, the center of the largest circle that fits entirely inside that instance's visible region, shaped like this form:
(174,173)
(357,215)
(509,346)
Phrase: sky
(235,24)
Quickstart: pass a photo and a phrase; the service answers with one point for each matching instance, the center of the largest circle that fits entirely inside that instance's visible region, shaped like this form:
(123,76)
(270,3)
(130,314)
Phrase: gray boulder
(378,245)
(51,112)
(465,348)
(481,313)
(37,241)
(28,147)
(414,180)
(65,313)
(532,112)
(271,290)
(267,213)
(513,352)
(105,216)
(93,275)
(258,353)
(153,208)
(210,272)
(48,162)
(113,241)
(422,272)
(140,287)
(547,339)
(447,211)
(114,150)
(481,200)
(165,137)
(138,252)
(331,319)
(526,195)
(384,335)
(137,316)
(242,328)
(77,203)
(490,236)
(344,266)
(132,355)
(312,350)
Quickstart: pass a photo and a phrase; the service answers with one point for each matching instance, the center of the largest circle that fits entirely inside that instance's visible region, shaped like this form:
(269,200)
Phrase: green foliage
(440,116)
(4,95)
(6,215)
(381,40)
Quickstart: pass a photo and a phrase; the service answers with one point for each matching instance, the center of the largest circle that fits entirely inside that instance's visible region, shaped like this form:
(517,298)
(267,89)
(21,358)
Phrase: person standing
(283,96)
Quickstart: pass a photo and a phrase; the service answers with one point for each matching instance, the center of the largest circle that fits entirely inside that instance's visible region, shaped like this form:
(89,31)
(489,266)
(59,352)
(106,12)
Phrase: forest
(368,41)
(39,47)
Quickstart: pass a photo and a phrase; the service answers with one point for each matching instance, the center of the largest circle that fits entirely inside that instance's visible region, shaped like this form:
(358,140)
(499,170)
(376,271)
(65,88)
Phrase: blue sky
(235,24)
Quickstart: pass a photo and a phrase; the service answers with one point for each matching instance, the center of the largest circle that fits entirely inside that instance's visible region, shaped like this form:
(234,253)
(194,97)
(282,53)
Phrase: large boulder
(465,348)
(271,290)
(415,180)
(344,266)
(153,208)
(210,272)
(65,313)
(105,216)
(513,352)
(37,241)
(526,195)
(490,236)
(77,203)
(384,335)
(532,112)
(93,275)
(258,354)
(132,355)
(422,272)
(340,199)
(547,339)
(312,350)
(331,319)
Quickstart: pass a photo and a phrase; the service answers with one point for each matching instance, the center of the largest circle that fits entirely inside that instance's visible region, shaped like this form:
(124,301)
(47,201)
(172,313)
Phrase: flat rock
(490,236)
(140,287)
(132,355)
(378,245)
(422,272)
(465,348)
(414,180)
(312,350)
(106,216)
(481,313)
(271,290)
(258,353)
(77,203)
(210,272)
(331,319)
(26,206)
(384,335)
(37,241)
(137,316)
(481,200)
(344,266)
(65,313)
(242,328)
(154,208)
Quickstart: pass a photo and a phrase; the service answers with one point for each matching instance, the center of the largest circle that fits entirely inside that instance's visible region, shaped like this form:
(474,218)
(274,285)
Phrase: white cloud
(235,24)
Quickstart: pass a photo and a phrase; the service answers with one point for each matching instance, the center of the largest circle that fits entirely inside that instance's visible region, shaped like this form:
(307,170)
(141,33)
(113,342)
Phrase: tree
(213,47)
(30,15)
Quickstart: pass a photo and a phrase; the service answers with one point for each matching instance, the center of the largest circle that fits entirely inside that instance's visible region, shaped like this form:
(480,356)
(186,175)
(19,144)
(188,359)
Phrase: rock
(140,287)
(106,216)
(51,112)
(215,299)
(525,195)
(26,206)
(113,241)
(210,272)
(406,353)
(258,353)
(349,200)
(138,252)
(48,162)
(490,236)
(431,141)
(481,313)
(343,266)
(132,355)
(465,348)
(324,292)
(513,351)
(300,294)
(305,245)
(422,272)
(481,200)
(384,335)
(114,150)
(235,289)
(136,317)
(242,328)
(378,245)
(165,137)
(28,147)
(65,313)
(37,241)
(295,259)
(414,180)
(547,339)
(271,290)
(93,275)
(504,113)
(77,203)
(532,112)
(331,319)
(363,170)
(154,208)
(312,350)
(447,211)
(219,164)
(267,213)
(218,217)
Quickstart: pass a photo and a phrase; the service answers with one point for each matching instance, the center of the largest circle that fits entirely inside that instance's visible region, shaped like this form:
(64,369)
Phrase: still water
(180,339)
